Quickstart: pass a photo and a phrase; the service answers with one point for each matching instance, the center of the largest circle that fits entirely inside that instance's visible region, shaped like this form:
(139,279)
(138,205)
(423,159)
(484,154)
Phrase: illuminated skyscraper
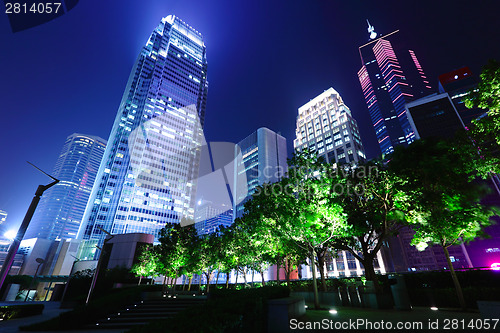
(263,160)
(147,177)
(3,216)
(61,208)
(390,77)
(325,125)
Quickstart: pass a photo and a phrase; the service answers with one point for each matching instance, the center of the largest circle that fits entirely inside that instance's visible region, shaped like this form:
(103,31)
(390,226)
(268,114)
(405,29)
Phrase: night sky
(265,59)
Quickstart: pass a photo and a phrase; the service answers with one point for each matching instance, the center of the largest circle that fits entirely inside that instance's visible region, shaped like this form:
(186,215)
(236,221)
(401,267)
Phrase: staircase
(145,311)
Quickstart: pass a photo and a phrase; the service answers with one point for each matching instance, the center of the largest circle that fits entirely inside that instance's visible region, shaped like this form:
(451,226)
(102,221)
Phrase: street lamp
(40,261)
(9,259)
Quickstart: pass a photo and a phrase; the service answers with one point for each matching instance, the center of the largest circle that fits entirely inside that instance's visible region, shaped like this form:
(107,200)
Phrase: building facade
(3,216)
(210,216)
(260,158)
(147,177)
(325,125)
(434,116)
(390,76)
(458,83)
(61,208)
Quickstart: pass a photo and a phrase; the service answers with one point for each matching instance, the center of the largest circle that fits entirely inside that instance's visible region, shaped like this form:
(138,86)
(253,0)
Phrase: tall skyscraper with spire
(390,77)
(147,177)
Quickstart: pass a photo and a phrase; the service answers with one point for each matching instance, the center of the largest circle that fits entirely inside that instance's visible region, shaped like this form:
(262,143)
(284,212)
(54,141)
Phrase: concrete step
(146,311)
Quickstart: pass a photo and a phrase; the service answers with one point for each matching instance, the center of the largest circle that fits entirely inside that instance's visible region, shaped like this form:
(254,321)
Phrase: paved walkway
(50,310)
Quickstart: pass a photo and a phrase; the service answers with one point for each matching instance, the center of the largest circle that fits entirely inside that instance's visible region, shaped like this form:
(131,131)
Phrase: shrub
(18,311)
(227,310)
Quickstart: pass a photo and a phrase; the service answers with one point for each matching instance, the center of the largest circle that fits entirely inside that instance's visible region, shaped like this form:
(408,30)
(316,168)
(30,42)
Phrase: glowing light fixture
(11,234)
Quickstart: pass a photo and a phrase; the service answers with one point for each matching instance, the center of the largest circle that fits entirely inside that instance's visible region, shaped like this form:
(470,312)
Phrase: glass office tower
(61,208)
(390,77)
(148,174)
(263,160)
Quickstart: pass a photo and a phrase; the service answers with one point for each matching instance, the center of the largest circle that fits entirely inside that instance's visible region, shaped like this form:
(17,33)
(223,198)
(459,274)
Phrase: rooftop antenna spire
(371,30)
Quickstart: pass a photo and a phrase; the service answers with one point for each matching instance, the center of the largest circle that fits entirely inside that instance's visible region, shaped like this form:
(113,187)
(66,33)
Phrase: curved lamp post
(9,259)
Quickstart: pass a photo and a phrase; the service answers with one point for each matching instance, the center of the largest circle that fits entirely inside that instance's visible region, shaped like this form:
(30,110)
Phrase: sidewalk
(51,310)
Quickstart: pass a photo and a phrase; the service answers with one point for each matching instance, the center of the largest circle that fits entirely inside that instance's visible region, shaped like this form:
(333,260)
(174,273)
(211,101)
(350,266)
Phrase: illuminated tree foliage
(263,224)
(175,249)
(447,202)
(147,264)
(376,207)
(487,94)
(481,142)
(298,211)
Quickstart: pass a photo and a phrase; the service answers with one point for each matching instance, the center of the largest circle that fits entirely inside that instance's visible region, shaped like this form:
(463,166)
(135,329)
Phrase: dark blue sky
(265,59)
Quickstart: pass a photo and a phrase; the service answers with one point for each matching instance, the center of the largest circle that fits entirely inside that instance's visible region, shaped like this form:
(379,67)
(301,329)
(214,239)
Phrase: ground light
(333,311)
(433,308)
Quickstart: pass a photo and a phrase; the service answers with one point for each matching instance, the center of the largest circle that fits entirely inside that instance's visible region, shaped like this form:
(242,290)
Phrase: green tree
(176,243)
(481,141)
(487,94)
(376,206)
(147,264)
(447,202)
(269,244)
(300,208)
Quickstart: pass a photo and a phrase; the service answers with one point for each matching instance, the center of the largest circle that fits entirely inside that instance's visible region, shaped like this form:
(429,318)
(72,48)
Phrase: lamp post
(9,259)
(40,261)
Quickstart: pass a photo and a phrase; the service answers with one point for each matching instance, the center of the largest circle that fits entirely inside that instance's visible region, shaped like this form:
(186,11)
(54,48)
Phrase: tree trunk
(236,279)
(315,286)
(287,272)
(190,280)
(140,278)
(227,280)
(278,274)
(458,288)
(245,277)
(163,288)
(199,283)
(174,281)
(184,284)
(217,278)
(370,273)
(321,267)
(262,275)
(253,272)
(209,275)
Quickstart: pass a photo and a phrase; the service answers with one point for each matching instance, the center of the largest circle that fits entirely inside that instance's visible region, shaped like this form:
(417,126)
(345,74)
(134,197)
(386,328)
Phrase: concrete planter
(375,300)
(344,296)
(489,309)
(354,296)
(400,294)
(308,296)
(330,298)
(151,295)
(281,310)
